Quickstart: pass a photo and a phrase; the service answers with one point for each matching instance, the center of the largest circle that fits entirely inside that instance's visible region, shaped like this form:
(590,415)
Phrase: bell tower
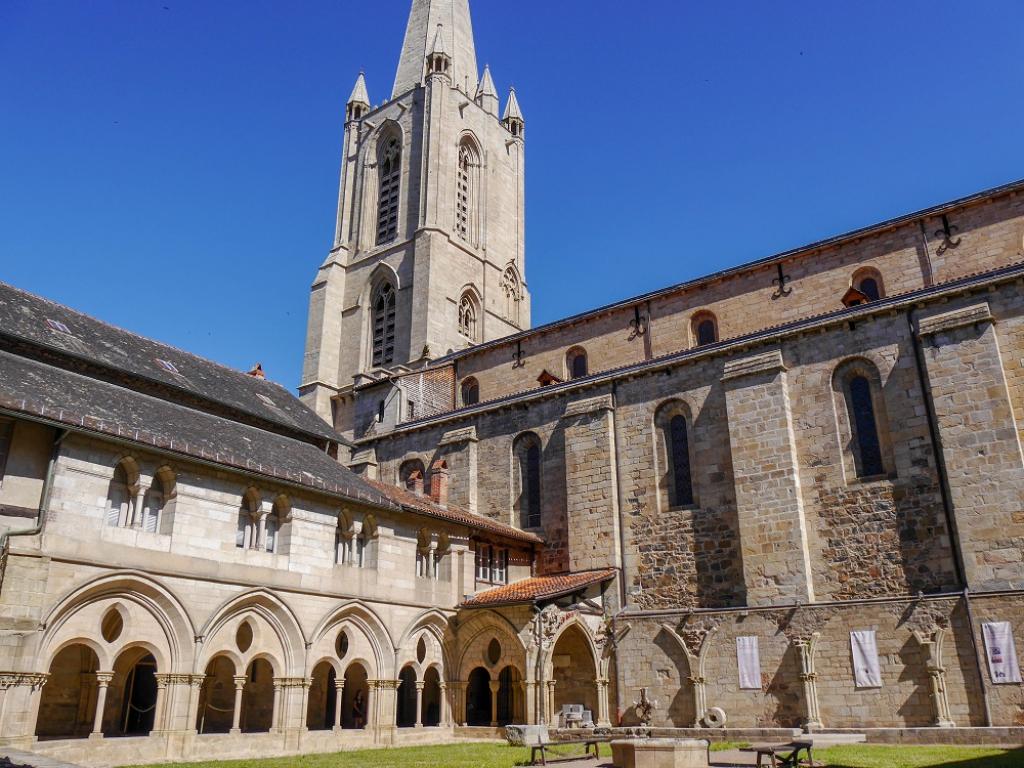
(428,252)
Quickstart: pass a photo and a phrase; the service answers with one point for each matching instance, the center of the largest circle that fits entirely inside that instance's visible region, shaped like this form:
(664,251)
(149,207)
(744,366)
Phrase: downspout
(44,504)
(623,592)
(947,506)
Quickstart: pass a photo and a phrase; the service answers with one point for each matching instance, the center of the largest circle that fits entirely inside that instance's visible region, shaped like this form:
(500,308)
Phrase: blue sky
(171,166)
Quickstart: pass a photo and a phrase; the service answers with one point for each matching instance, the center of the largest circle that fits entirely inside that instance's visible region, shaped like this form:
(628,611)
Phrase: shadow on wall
(938,756)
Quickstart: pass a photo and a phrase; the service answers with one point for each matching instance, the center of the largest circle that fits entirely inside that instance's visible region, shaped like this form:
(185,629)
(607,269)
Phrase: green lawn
(501,756)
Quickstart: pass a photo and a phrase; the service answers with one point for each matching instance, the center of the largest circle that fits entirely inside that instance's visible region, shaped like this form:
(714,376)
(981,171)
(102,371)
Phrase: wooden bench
(784,755)
(589,742)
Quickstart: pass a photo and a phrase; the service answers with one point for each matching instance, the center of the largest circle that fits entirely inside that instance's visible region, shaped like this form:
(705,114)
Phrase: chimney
(415,482)
(439,483)
(257,371)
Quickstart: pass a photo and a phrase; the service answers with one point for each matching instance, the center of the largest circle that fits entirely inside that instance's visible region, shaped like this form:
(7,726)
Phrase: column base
(337,729)
(945,724)
(235,731)
(95,736)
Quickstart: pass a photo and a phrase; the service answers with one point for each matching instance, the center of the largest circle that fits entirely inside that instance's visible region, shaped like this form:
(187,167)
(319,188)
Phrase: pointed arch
(276,613)
(140,592)
(358,614)
(388,154)
(379,302)
(433,622)
(470,314)
(600,661)
(468,199)
(512,287)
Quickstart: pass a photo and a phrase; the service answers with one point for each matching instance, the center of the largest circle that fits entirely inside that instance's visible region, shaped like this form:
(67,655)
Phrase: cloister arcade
(122,657)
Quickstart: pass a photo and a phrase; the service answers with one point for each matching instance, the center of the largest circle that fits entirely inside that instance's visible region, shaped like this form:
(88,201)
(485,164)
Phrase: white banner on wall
(748,657)
(1001,652)
(866,671)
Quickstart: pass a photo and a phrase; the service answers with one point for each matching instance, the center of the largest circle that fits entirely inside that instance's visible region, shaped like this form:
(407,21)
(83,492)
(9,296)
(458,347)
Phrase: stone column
(159,715)
(339,699)
(495,687)
(806,648)
(769,502)
(980,441)
(931,646)
(194,695)
(603,718)
(550,705)
(140,507)
(459,700)
(446,713)
(277,705)
(530,709)
(307,683)
(420,685)
(261,531)
(103,680)
(236,715)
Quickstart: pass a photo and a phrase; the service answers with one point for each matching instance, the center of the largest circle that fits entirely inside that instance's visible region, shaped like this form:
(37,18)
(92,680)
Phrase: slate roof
(410,502)
(24,317)
(70,369)
(538,588)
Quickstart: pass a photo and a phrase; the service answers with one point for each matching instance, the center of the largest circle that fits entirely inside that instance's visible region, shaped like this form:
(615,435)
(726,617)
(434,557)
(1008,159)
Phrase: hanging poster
(1003,665)
(866,671)
(748,656)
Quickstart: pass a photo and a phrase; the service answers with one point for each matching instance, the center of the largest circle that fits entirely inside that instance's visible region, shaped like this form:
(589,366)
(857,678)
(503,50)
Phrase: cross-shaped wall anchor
(781,282)
(638,324)
(518,355)
(946,233)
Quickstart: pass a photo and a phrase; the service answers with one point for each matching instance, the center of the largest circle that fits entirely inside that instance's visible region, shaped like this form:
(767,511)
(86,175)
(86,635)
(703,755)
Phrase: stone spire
(487,94)
(513,117)
(420,36)
(359,101)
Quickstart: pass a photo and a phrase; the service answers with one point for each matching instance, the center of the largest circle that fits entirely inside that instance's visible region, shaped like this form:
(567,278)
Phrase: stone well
(660,753)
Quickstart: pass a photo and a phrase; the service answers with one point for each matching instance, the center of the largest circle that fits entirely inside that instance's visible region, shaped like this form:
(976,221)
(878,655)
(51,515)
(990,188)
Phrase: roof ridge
(136,334)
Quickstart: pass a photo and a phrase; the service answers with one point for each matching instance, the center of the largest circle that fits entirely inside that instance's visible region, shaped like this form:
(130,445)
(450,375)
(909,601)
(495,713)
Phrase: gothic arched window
(672,424)
(576,363)
(384,325)
(868,446)
(466,192)
(389,181)
(470,392)
(468,317)
(526,460)
(705,329)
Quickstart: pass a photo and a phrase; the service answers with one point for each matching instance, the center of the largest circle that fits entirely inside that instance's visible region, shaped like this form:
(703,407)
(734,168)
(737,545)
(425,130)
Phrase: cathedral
(785,497)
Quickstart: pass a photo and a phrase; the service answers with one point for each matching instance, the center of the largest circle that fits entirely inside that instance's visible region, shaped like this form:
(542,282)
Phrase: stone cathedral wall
(907,256)
(783,540)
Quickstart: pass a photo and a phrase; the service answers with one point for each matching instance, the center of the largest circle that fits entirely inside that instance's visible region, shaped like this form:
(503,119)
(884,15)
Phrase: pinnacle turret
(487,94)
(359,101)
(439,62)
(512,119)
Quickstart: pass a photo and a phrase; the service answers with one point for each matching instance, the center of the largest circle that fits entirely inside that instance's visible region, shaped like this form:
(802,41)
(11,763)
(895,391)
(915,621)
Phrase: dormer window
(58,326)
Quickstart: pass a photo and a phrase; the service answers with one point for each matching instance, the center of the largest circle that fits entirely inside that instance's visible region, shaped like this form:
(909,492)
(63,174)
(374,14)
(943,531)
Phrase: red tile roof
(423,505)
(538,588)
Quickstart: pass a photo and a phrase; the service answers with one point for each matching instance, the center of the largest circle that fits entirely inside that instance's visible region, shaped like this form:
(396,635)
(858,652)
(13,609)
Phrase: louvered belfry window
(384,325)
(389,169)
(463,194)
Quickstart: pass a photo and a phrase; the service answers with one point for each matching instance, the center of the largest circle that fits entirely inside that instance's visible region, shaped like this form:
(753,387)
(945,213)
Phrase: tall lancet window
(463,191)
(467,318)
(384,325)
(389,176)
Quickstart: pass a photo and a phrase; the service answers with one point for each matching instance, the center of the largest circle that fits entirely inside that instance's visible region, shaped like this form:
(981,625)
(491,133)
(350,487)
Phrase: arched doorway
(131,699)
(478,697)
(407,698)
(574,673)
(67,707)
(431,698)
(356,696)
(510,696)
(320,715)
(258,697)
(217,697)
